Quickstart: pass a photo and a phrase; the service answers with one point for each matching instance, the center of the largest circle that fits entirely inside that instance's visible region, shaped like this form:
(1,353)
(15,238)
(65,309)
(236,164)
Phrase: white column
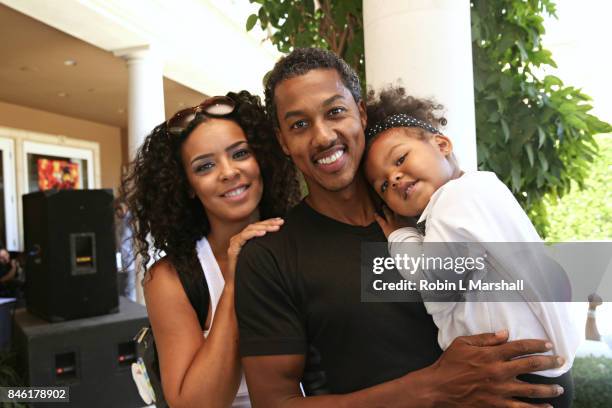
(145,94)
(427,45)
(145,110)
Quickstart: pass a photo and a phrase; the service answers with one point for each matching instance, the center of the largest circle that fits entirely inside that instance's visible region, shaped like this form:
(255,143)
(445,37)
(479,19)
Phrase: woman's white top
(478,207)
(216,283)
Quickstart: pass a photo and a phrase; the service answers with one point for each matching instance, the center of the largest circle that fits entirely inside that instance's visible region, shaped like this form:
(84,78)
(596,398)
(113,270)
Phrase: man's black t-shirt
(298,292)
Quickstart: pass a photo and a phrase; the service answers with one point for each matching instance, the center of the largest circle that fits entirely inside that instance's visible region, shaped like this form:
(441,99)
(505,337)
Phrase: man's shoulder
(276,243)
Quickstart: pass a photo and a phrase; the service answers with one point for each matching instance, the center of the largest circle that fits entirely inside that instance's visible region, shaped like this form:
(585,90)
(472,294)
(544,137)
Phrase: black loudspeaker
(91,356)
(71,269)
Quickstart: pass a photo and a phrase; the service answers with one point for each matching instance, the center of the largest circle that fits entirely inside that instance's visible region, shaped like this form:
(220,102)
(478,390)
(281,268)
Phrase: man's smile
(331,160)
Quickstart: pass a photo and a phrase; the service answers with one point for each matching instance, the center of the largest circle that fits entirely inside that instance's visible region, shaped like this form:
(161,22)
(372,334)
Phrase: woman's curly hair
(162,214)
(392,100)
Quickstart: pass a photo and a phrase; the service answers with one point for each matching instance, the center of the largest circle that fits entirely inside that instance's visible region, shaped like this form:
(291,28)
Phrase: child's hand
(393,221)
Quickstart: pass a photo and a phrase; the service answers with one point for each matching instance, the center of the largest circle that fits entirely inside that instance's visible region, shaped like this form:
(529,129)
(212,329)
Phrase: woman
(197,190)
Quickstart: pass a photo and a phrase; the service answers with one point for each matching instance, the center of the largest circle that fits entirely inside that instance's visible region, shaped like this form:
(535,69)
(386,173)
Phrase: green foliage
(9,377)
(334,25)
(535,133)
(592,381)
(585,214)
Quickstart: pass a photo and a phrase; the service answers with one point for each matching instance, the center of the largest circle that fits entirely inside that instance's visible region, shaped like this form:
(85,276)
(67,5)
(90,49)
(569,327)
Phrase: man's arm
(475,371)
(591,331)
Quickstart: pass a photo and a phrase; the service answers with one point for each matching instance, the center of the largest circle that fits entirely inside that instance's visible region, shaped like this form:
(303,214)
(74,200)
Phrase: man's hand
(392,221)
(481,370)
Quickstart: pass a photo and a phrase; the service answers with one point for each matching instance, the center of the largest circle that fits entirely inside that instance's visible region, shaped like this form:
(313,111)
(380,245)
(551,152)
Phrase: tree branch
(343,38)
(329,26)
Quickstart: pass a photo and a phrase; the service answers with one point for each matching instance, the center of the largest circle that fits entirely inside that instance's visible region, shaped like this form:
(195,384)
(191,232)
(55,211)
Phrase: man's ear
(444,144)
(281,142)
(363,114)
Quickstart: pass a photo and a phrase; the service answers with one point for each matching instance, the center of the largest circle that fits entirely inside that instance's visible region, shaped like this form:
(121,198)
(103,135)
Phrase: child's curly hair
(393,100)
(162,214)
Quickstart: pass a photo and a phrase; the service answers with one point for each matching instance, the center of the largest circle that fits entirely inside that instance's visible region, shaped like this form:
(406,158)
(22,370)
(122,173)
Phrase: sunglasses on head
(215,107)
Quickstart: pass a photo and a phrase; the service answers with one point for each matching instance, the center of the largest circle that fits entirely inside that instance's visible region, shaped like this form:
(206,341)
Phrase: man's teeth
(235,192)
(332,158)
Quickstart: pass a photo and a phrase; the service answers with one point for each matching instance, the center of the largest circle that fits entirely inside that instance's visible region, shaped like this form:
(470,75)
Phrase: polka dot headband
(399,120)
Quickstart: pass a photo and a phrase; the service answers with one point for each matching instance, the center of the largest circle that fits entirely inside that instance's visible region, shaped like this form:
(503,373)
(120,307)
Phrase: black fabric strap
(197,291)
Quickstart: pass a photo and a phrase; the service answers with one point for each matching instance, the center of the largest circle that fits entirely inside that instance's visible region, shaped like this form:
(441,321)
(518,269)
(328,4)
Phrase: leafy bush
(9,377)
(584,215)
(333,25)
(532,130)
(593,382)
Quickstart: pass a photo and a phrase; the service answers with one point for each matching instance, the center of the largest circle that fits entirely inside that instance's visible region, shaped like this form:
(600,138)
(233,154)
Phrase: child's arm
(398,230)
(392,222)
(401,230)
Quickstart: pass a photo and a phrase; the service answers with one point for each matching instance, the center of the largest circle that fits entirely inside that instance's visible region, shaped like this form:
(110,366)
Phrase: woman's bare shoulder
(163,269)
(162,279)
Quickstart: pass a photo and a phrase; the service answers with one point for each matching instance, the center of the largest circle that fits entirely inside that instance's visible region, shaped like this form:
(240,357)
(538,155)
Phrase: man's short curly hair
(301,61)
(164,215)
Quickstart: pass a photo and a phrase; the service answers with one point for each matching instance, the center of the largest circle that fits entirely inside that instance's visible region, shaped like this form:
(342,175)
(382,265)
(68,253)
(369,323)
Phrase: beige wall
(124,146)
(109,137)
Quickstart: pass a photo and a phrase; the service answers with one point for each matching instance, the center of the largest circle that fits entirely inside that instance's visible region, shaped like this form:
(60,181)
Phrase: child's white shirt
(478,207)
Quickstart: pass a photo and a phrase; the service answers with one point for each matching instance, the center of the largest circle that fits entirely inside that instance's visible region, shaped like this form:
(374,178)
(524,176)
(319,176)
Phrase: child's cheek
(398,206)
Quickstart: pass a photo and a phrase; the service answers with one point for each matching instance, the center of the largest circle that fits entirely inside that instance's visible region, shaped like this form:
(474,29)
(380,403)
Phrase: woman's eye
(204,167)
(401,160)
(337,110)
(241,154)
(298,125)
(383,186)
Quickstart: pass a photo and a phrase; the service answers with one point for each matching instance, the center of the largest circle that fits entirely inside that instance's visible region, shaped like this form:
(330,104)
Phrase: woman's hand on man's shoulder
(257,229)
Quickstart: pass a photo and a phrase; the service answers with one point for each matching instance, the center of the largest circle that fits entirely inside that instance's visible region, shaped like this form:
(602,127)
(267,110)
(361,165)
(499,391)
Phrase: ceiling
(34,73)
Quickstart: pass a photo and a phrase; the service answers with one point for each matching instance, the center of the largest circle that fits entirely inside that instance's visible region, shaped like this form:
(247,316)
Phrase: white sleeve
(409,242)
(406,235)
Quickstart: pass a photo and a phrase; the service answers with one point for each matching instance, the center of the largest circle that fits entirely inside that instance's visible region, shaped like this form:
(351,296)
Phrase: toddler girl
(411,166)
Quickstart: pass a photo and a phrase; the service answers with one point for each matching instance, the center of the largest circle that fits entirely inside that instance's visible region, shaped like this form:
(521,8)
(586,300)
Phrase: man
(8,272)
(298,290)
